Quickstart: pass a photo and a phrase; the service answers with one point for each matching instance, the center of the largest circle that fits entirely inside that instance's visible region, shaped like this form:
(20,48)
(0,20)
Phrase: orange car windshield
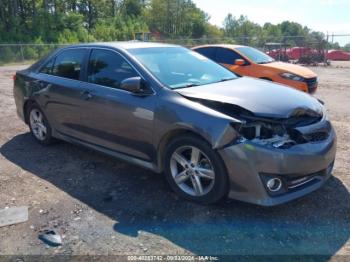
(255,55)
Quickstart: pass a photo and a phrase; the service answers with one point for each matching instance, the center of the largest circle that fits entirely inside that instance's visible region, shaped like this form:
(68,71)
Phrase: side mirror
(133,85)
(239,62)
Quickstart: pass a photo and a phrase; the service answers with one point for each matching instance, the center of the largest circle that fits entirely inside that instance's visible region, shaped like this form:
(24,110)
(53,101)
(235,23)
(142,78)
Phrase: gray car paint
(262,98)
(136,128)
(299,160)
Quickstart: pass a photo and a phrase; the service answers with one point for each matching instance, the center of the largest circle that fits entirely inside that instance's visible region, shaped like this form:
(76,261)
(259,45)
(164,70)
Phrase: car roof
(229,46)
(123,45)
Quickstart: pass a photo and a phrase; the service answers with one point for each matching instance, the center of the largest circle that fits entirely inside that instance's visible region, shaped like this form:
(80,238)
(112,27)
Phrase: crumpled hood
(260,97)
(295,69)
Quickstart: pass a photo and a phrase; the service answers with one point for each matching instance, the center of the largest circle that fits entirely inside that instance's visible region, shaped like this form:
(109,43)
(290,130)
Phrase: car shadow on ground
(139,200)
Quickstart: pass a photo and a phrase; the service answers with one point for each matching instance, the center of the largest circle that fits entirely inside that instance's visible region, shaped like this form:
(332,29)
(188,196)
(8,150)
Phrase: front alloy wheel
(194,170)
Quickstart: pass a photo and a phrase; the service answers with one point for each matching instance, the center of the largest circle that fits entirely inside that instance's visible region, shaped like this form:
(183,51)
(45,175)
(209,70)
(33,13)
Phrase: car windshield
(255,55)
(178,67)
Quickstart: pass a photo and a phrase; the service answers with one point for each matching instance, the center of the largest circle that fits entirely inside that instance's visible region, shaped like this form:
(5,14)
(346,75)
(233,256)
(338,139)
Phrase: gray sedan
(211,133)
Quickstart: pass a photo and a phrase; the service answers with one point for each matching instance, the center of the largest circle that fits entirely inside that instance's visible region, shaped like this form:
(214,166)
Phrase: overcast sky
(319,15)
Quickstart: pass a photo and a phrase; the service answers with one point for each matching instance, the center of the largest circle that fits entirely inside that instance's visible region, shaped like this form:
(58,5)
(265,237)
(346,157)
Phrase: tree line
(72,21)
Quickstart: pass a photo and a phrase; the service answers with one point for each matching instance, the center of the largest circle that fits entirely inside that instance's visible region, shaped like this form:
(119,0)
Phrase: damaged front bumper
(302,169)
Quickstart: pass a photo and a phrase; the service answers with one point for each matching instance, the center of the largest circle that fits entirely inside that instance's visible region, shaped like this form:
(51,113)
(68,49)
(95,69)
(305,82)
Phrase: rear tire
(195,171)
(39,126)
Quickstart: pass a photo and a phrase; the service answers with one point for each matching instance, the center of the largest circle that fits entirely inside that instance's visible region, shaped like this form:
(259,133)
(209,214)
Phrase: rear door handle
(86,95)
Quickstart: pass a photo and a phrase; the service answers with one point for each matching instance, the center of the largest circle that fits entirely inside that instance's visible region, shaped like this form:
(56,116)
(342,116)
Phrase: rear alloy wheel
(39,126)
(195,171)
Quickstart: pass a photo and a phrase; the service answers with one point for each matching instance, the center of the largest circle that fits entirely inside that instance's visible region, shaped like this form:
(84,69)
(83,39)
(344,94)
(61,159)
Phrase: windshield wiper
(226,79)
(187,85)
(264,62)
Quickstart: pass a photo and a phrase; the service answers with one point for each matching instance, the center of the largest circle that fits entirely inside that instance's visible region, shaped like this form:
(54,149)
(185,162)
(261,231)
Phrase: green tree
(241,30)
(347,47)
(132,7)
(72,21)
(175,18)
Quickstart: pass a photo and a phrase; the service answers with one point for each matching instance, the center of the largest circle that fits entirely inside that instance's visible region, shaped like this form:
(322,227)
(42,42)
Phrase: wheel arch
(26,106)
(221,188)
(168,137)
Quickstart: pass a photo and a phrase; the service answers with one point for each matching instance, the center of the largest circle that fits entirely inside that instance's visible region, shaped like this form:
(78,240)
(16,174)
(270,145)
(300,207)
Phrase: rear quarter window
(68,63)
(40,62)
(47,68)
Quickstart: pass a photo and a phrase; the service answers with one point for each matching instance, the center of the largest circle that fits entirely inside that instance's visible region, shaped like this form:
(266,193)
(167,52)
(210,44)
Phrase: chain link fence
(20,53)
(295,49)
(287,48)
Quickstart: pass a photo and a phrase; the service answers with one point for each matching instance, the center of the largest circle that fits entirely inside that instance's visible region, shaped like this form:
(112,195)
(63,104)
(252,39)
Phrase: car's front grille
(294,183)
(317,136)
(309,137)
(311,84)
(303,181)
(298,121)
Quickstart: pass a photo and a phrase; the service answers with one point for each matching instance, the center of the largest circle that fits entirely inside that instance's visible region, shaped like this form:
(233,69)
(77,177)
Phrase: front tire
(195,171)
(39,126)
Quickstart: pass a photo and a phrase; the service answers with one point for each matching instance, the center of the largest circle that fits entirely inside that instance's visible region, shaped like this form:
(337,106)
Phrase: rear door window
(227,56)
(47,68)
(68,63)
(209,52)
(108,68)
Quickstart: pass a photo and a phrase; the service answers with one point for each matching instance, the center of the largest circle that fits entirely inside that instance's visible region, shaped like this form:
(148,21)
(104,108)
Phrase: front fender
(174,112)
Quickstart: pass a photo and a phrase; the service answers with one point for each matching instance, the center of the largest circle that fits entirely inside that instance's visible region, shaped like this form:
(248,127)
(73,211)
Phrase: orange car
(248,61)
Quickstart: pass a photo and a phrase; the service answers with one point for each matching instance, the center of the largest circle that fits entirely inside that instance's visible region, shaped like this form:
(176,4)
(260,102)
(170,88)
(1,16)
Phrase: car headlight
(265,134)
(291,76)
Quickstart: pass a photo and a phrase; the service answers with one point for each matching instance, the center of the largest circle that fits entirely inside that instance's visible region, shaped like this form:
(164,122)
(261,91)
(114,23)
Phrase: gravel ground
(102,206)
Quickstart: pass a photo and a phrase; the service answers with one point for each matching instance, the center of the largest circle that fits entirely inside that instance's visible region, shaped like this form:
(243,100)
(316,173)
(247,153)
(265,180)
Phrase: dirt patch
(100,205)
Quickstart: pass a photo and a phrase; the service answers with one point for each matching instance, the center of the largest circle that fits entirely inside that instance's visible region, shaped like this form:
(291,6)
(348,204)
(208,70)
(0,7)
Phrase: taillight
(14,78)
